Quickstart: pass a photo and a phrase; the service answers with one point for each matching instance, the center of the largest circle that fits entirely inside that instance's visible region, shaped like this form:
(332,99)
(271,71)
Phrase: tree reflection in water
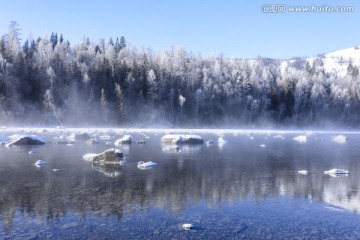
(240,170)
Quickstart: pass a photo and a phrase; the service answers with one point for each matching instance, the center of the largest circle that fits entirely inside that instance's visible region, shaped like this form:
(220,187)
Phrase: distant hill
(335,62)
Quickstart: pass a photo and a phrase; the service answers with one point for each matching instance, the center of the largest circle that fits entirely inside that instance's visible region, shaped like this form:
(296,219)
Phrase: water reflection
(240,171)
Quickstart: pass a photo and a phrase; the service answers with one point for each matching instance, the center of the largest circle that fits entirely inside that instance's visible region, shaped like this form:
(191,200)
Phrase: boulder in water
(182,139)
(126,139)
(26,140)
(109,156)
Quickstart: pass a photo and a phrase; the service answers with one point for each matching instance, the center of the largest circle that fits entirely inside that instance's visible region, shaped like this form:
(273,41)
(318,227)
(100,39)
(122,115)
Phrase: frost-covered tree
(182,100)
(48,78)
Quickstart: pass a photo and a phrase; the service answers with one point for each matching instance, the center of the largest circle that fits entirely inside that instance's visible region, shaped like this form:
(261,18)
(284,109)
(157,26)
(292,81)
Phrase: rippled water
(236,190)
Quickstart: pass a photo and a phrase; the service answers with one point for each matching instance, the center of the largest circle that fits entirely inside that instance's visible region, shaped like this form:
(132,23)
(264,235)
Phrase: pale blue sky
(234,27)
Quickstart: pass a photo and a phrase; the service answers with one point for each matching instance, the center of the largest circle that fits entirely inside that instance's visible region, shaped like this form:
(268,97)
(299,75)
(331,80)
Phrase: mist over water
(247,187)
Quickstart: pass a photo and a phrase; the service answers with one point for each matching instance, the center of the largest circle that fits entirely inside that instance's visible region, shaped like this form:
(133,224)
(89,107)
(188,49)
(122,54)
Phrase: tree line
(49,81)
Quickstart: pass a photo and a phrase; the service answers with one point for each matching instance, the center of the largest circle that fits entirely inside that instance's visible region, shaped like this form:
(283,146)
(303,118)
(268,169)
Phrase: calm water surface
(230,191)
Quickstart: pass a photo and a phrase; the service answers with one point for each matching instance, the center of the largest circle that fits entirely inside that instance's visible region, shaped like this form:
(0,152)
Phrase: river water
(248,187)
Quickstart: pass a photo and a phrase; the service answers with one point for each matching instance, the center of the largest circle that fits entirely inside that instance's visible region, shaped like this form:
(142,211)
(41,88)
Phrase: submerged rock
(126,139)
(182,139)
(109,156)
(26,140)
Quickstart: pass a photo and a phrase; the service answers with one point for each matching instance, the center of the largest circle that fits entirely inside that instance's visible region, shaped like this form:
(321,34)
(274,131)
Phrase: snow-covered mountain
(335,62)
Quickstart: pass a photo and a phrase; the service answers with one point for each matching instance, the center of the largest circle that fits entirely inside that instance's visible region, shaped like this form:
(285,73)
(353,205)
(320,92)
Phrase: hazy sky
(233,27)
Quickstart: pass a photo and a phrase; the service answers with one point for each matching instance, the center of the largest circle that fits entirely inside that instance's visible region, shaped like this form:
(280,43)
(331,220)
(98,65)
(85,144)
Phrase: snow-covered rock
(301,138)
(40,163)
(26,140)
(187,226)
(182,139)
(111,155)
(126,139)
(339,139)
(143,165)
(337,171)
